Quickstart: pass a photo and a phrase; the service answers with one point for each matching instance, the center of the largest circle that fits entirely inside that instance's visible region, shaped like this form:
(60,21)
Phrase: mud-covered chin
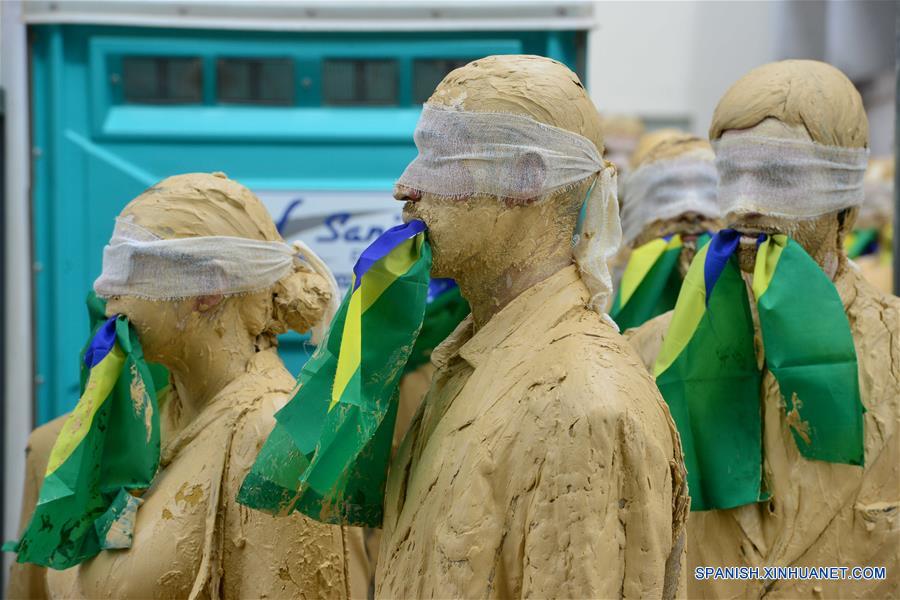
(689,228)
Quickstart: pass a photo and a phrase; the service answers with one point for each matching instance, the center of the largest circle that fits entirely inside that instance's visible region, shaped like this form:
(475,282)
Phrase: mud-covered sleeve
(599,517)
(267,556)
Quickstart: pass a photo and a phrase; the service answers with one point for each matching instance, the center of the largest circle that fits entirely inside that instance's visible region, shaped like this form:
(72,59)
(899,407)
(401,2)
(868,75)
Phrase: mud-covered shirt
(542,463)
(820,514)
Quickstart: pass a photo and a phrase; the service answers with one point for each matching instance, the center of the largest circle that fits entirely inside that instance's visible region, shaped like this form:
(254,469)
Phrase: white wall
(670,62)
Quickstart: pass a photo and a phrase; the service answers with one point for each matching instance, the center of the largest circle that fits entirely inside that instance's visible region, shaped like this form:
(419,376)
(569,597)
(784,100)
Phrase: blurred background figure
(669,210)
(312,105)
(621,134)
(869,245)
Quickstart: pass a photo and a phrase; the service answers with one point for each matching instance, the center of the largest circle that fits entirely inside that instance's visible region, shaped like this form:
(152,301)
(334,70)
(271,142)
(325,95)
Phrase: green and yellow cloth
(864,242)
(328,454)
(708,374)
(650,282)
(105,456)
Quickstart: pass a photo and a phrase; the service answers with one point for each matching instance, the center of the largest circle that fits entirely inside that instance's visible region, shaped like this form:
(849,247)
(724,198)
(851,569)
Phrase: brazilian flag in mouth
(105,456)
(328,454)
(707,369)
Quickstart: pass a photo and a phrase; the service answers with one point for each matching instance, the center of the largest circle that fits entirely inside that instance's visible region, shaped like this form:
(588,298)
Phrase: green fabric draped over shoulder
(651,281)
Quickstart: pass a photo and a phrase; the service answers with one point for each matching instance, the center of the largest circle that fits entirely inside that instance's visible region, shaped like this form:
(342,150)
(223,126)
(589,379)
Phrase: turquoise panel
(93,151)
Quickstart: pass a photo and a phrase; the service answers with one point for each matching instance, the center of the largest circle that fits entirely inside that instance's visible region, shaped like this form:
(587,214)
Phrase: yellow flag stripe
(374,283)
(100,383)
(689,310)
(639,264)
(766,260)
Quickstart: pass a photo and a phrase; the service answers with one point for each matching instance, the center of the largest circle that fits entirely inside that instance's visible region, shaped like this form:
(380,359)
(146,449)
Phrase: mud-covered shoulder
(41,440)
(253,424)
(875,320)
(600,378)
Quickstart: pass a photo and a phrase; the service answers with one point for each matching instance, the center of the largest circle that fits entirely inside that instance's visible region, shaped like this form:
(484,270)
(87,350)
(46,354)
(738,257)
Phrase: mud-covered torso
(524,458)
(169,534)
(192,540)
(819,513)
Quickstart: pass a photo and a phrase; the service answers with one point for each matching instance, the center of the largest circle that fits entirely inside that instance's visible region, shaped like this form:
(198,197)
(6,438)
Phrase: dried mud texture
(413,388)
(820,514)
(201,204)
(531,86)
(808,93)
(543,463)
(663,144)
(877,271)
(192,540)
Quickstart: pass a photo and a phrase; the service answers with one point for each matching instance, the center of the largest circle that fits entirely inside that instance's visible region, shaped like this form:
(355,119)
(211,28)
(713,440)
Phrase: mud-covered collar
(537,308)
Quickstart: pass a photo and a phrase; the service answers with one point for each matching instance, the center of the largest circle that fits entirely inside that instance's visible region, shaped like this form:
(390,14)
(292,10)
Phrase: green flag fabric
(651,281)
(707,370)
(104,458)
(328,453)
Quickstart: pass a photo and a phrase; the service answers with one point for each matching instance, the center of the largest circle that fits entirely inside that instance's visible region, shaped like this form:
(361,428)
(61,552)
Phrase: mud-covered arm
(599,518)
(278,557)
(26,580)
(648,338)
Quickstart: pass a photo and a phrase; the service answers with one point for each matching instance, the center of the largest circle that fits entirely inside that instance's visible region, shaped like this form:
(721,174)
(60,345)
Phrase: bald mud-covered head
(801,100)
(495,237)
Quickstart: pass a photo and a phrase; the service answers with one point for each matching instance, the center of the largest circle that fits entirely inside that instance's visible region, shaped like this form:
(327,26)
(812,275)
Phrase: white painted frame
(333,15)
(18,394)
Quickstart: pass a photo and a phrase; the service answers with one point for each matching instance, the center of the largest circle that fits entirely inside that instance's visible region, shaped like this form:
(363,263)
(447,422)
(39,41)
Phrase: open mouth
(751,235)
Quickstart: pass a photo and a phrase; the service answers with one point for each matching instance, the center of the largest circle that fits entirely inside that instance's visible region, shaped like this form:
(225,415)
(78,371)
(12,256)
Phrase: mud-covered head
(671,189)
(485,231)
(790,139)
(621,135)
(225,222)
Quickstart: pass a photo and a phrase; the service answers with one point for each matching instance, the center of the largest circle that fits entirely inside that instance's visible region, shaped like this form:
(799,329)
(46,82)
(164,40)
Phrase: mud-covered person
(543,461)
(670,206)
(807,122)
(191,538)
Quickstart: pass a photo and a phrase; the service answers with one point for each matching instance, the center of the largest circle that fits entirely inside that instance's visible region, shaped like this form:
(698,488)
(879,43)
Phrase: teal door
(319,125)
